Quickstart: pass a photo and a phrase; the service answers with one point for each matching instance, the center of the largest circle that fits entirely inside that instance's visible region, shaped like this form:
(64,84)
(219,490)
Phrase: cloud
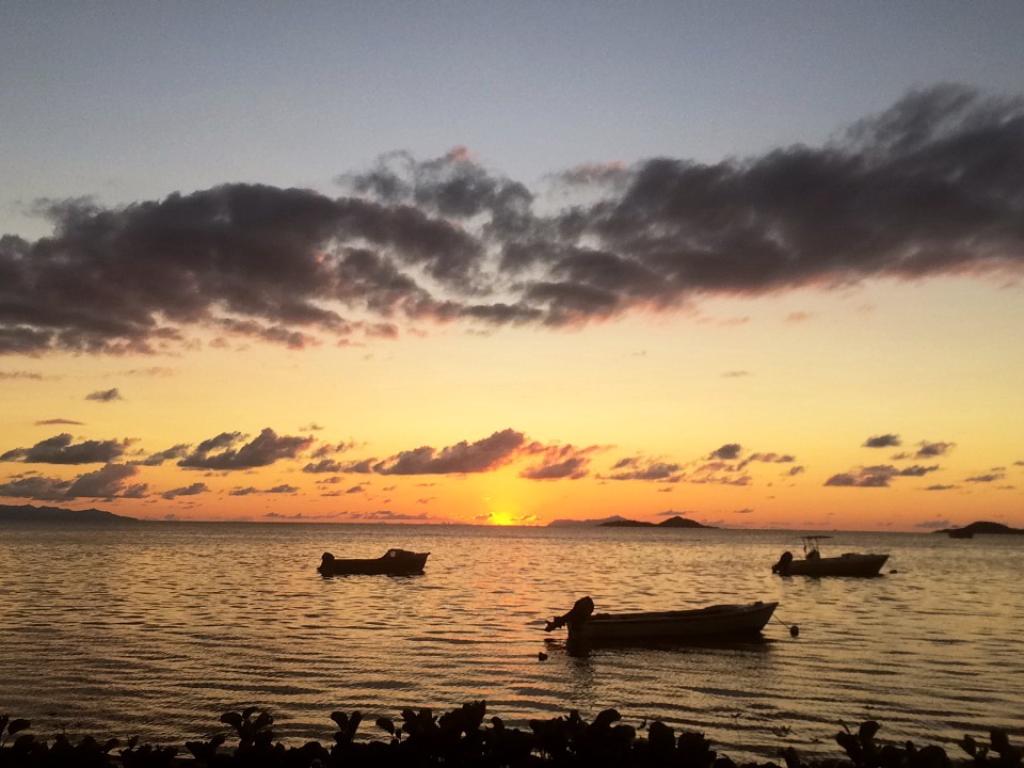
(265,449)
(990,477)
(59,422)
(594,174)
(323,466)
(174,452)
(105,395)
(60,449)
(639,468)
(727,452)
(464,457)
(560,462)
(573,468)
(283,488)
(24,375)
(940,487)
(795,470)
(744,511)
(877,476)
(35,487)
(882,441)
(153,370)
(386,515)
(860,480)
(766,458)
(188,490)
(250,490)
(929,186)
(928,450)
(719,479)
(363,467)
(311,427)
(356,489)
(735,374)
(327,449)
(107,482)
(798,317)
(917,470)
(302,516)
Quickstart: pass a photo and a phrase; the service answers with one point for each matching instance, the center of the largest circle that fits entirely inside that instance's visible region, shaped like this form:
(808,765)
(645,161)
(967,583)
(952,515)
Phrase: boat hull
(845,565)
(407,565)
(717,622)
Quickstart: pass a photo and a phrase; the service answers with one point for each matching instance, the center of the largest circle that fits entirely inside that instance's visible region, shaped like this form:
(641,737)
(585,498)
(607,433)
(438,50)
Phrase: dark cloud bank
(61,449)
(933,185)
(108,482)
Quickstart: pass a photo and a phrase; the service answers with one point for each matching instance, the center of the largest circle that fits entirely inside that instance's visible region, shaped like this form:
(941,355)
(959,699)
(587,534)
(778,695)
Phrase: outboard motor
(782,567)
(580,612)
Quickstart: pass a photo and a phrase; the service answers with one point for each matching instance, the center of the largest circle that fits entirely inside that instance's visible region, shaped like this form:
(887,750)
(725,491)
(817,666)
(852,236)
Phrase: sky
(755,264)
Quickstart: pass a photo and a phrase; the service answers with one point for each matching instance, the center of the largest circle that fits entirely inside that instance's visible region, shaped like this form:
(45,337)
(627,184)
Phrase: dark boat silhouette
(813,564)
(715,622)
(394,562)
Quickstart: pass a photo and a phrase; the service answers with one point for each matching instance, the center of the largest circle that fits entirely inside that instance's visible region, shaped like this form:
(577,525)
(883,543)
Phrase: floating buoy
(794,631)
(542,656)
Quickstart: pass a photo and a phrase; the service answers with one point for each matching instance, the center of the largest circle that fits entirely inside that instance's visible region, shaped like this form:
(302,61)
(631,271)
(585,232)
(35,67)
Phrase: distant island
(673,522)
(984,526)
(570,523)
(30,514)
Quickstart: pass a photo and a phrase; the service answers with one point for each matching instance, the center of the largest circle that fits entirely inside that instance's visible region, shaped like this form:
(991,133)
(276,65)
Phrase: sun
(501,518)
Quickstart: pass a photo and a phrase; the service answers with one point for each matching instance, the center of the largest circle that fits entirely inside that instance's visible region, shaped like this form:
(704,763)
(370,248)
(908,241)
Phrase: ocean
(155,629)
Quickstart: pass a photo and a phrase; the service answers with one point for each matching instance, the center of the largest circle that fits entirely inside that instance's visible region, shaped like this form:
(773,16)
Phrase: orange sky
(807,376)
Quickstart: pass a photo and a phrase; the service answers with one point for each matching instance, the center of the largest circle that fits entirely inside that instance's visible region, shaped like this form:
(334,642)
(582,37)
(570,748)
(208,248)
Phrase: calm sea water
(157,629)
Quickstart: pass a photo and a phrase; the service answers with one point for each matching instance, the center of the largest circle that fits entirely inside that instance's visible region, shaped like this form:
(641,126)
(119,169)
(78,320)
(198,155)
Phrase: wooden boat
(716,622)
(813,564)
(394,562)
(960,533)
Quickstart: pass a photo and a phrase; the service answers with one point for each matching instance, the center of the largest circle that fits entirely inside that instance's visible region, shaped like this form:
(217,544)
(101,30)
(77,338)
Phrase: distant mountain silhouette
(578,523)
(627,524)
(673,522)
(983,526)
(681,522)
(29,514)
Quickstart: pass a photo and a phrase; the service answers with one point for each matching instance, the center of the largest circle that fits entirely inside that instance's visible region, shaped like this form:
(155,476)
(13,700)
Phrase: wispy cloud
(250,490)
(187,490)
(105,395)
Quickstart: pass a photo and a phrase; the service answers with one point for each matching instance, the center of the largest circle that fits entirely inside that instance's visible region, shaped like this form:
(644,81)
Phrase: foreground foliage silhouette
(461,738)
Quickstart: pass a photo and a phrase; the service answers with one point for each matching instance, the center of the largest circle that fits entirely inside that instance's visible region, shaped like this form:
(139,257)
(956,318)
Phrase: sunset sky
(759,265)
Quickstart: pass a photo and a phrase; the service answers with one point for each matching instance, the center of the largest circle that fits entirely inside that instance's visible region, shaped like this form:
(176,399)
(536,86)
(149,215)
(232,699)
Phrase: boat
(813,564)
(960,533)
(715,622)
(394,562)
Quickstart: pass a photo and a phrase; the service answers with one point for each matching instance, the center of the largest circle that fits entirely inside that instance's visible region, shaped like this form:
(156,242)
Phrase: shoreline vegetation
(466,737)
